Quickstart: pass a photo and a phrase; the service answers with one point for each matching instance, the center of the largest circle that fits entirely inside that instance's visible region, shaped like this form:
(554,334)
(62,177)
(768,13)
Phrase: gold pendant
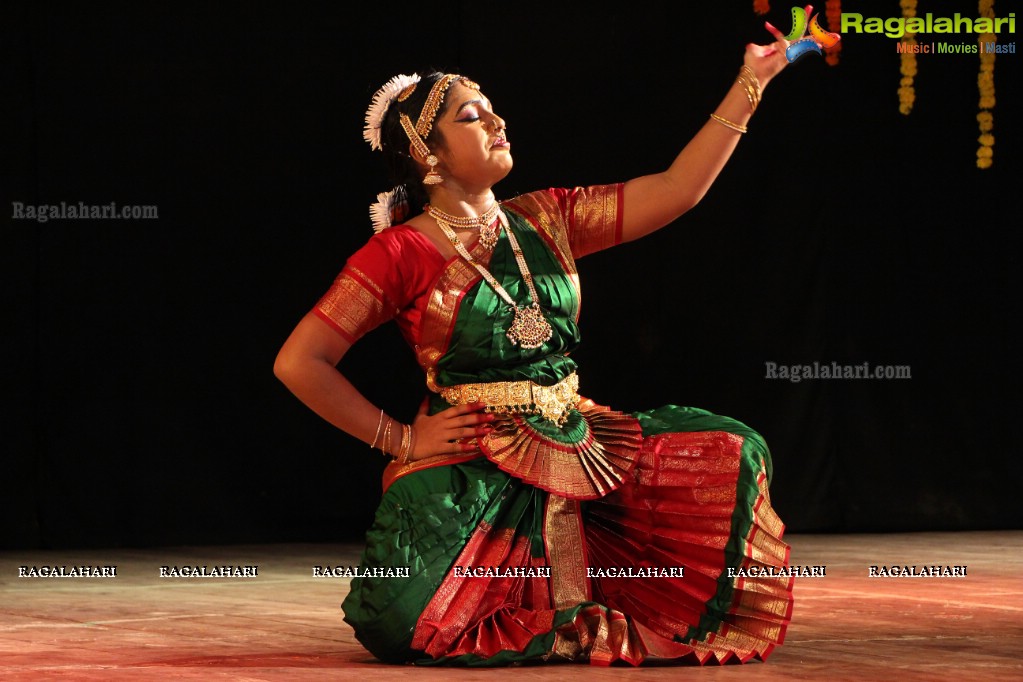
(488,236)
(529,329)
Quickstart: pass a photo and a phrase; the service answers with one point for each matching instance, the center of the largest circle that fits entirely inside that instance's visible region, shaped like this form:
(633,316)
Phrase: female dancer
(529,523)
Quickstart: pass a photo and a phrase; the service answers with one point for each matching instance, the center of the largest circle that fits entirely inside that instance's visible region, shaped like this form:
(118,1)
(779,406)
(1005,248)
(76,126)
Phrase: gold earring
(432,177)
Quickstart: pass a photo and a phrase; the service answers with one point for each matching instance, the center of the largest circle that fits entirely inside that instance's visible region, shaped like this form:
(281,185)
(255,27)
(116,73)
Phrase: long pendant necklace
(485,223)
(529,328)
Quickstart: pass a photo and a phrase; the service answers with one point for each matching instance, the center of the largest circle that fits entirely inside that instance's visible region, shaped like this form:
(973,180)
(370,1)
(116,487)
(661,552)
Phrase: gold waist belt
(520,397)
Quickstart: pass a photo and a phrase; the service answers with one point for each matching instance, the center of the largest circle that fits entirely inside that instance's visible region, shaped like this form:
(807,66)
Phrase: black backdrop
(140,406)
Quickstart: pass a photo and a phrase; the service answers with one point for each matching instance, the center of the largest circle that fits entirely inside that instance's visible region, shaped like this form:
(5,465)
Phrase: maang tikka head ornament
(400,88)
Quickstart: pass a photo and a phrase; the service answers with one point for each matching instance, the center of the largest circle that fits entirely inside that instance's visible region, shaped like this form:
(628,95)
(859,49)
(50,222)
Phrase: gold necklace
(529,328)
(488,228)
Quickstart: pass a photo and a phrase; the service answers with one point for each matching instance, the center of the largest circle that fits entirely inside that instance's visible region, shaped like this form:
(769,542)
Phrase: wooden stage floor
(285,624)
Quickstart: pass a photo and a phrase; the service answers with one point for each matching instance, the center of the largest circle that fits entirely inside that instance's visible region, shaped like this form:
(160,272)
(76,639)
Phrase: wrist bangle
(751,93)
(386,442)
(749,81)
(380,422)
(406,444)
(737,127)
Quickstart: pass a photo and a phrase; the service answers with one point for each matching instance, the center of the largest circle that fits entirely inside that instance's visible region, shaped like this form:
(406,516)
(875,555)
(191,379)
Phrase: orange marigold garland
(986,87)
(761,6)
(833,10)
(907,95)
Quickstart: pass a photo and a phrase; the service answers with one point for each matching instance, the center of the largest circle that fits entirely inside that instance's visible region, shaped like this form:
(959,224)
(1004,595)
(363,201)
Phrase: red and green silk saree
(610,537)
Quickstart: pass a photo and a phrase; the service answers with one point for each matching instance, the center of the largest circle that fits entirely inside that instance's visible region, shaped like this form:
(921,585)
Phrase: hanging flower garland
(986,86)
(761,6)
(833,10)
(907,95)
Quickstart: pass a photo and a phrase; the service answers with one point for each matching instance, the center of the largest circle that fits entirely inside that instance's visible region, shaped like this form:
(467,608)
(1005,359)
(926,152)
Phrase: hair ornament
(390,208)
(381,102)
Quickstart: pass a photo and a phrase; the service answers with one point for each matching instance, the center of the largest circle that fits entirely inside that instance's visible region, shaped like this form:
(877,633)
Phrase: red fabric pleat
(680,513)
(593,467)
(676,511)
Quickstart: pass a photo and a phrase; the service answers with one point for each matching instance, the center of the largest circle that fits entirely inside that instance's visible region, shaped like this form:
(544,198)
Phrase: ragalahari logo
(801,44)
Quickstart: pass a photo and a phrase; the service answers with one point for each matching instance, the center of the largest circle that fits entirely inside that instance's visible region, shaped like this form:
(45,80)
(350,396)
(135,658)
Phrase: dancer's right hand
(450,431)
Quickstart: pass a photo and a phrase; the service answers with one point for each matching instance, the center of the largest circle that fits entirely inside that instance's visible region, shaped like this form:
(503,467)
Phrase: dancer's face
(472,145)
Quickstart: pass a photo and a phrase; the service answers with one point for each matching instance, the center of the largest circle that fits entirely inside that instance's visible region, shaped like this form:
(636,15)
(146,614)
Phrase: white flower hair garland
(390,206)
(381,102)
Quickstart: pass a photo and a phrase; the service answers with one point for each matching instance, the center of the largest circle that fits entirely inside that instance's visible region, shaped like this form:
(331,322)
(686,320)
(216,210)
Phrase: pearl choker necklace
(488,227)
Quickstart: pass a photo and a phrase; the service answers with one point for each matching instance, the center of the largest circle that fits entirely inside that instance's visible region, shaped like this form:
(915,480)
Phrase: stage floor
(285,624)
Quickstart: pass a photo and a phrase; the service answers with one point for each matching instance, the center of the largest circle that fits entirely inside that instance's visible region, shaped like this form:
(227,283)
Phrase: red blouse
(392,276)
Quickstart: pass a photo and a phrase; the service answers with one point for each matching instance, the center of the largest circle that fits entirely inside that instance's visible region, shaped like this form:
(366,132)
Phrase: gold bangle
(386,442)
(739,128)
(380,422)
(751,74)
(405,451)
(406,444)
(751,94)
(748,78)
